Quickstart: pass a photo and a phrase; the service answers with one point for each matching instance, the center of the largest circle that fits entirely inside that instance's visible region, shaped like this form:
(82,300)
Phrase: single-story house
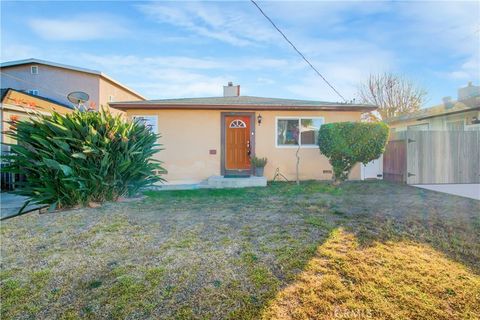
(204,137)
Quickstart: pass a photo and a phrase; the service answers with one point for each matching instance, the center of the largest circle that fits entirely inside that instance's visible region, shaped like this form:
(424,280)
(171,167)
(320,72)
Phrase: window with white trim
(149,121)
(292,131)
(34,69)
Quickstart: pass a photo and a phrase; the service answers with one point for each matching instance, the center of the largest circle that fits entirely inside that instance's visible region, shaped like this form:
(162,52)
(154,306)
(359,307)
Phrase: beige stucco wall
(109,89)
(189,135)
(6,115)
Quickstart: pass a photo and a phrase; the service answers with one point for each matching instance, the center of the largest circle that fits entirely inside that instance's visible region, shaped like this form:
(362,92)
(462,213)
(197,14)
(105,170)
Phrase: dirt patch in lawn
(219,254)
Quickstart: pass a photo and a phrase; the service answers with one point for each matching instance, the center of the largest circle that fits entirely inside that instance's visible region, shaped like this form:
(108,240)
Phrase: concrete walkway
(11,203)
(463,190)
(214,182)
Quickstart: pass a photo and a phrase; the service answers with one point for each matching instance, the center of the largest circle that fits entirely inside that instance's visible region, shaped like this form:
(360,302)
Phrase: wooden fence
(431,157)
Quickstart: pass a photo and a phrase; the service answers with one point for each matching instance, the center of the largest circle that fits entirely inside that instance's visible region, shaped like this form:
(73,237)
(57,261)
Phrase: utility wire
(298,51)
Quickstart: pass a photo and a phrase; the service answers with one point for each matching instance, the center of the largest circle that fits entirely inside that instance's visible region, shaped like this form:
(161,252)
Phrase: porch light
(259,119)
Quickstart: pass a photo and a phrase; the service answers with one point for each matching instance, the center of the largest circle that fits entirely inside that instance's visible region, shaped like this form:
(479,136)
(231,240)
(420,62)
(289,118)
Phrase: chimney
(447,102)
(230,90)
(470,91)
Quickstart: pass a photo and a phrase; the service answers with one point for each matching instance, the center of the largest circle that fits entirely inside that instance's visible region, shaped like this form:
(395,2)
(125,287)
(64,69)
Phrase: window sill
(309,146)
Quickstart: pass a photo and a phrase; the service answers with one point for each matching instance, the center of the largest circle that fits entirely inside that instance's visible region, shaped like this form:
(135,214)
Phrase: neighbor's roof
(241,103)
(439,110)
(64,66)
(4,92)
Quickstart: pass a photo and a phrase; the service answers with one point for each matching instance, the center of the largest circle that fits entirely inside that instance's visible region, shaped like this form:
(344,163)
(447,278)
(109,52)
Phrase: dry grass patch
(392,280)
(226,254)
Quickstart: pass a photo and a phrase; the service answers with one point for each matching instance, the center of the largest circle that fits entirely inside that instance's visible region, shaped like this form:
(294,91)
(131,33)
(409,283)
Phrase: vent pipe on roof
(230,90)
(447,102)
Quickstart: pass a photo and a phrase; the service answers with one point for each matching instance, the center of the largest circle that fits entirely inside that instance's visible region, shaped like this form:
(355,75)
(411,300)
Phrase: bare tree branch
(393,94)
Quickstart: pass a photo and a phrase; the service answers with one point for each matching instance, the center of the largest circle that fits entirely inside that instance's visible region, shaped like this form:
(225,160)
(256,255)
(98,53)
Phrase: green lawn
(363,250)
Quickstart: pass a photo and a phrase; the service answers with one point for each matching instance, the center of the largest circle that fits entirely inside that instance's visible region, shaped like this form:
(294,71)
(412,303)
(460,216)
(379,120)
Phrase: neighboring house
(460,115)
(204,137)
(18,105)
(56,81)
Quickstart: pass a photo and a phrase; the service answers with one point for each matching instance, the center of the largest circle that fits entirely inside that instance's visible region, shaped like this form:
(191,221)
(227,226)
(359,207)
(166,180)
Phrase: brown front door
(237,143)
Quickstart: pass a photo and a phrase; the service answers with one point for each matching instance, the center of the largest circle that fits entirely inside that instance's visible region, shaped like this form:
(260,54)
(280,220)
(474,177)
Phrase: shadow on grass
(372,210)
(420,251)
(282,251)
(386,280)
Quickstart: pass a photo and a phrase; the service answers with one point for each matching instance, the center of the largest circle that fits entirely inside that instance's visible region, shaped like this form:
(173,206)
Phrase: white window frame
(34,92)
(299,118)
(34,68)
(151,117)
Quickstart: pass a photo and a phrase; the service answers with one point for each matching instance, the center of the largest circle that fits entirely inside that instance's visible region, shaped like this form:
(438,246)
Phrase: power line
(298,51)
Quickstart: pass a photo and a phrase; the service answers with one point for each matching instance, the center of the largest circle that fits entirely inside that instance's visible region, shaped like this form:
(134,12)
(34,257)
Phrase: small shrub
(82,157)
(347,143)
(258,162)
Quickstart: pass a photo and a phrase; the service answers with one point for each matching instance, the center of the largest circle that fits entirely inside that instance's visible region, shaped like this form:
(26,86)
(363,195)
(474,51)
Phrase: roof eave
(364,108)
(103,75)
(448,113)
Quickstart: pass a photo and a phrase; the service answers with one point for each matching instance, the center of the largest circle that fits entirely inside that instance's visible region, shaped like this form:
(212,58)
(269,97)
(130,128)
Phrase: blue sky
(191,49)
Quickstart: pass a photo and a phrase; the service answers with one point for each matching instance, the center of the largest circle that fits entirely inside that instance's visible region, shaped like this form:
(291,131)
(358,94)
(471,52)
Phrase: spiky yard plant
(82,157)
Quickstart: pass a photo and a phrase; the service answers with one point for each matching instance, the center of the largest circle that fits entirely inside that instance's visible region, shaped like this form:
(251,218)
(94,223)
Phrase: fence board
(443,157)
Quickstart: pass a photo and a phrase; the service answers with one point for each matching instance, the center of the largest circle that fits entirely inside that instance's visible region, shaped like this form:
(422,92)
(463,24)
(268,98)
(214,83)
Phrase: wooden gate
(443,157)
(395,161)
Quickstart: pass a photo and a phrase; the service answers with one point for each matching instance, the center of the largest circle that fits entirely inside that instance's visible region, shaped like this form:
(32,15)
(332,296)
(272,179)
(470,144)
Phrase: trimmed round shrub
(82,157)
(347,143)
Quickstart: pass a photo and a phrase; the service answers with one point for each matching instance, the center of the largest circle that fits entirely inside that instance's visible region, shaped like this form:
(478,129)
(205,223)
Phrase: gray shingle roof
(244,101)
